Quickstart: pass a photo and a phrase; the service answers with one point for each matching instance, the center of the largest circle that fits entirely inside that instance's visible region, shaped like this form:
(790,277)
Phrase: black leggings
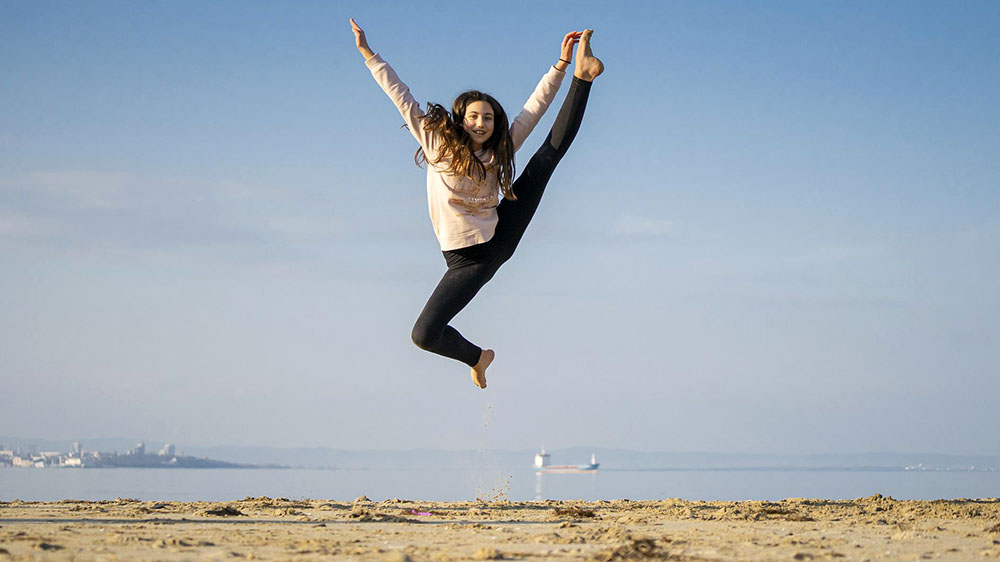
(472,267)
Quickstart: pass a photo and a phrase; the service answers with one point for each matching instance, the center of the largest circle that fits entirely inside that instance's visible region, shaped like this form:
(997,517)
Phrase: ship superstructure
(542,465)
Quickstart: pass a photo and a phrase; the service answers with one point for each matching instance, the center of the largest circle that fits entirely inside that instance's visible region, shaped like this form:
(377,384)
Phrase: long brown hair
(455,146)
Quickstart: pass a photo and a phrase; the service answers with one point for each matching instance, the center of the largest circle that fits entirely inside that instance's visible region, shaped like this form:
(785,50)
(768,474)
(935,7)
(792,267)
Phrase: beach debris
(488,554)
(226,511)
(573,511)
(48,546)
(636,549)
(158,505)
(615,534)
(466,525)
(264,502)
(368,516)
(556,538)
(398,556)
(361,499)
(286,511)
(993,529)
(420,513)
(780,513)
(173,541)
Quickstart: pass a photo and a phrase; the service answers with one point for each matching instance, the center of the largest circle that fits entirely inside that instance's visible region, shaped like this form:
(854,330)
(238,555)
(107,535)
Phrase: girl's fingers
(569,42)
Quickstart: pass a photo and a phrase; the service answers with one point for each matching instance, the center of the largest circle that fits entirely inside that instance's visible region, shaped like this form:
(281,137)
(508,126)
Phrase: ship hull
(568,469)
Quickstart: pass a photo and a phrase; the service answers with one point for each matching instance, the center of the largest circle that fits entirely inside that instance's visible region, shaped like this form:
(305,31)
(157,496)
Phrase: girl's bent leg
(514,216)
(455,290)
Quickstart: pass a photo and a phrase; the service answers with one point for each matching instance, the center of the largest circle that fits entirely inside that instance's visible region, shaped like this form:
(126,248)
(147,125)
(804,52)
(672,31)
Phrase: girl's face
(478,122)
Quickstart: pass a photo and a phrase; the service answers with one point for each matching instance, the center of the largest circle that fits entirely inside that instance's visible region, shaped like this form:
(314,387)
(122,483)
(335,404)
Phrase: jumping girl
(469,155)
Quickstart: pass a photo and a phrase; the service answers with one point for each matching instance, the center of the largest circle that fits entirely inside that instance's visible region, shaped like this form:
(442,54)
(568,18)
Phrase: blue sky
(776,231)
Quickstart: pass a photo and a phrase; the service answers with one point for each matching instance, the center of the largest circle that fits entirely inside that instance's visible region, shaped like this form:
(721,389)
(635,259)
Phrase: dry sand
(873,528)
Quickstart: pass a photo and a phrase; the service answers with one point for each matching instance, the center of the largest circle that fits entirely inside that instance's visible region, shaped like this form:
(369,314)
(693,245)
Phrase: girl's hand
(566,53)
(361,40)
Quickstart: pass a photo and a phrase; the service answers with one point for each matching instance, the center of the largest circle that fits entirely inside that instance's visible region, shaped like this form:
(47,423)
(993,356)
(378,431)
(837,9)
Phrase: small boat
(542,465)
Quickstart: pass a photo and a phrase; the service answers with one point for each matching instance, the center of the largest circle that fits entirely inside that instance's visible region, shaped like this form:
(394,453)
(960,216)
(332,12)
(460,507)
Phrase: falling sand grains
(486,416)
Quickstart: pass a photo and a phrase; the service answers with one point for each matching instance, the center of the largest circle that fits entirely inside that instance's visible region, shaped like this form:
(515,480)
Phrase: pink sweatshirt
(463,210)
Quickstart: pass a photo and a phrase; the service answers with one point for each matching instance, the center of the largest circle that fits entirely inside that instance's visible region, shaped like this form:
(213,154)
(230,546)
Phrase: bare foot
(588,66)
(479,371)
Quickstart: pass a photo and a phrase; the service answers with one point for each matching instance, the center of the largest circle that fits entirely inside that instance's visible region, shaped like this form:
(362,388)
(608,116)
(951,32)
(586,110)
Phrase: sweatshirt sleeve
(535,107)
(400,95)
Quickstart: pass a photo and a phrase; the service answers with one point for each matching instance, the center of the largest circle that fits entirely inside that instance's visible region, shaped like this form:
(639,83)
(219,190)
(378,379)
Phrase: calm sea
(50,484)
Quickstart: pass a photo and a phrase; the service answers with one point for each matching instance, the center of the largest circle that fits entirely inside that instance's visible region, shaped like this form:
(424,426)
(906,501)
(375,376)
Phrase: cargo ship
(542,465)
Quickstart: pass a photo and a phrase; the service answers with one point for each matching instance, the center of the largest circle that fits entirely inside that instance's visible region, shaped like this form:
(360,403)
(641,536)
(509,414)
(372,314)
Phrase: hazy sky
(777,230)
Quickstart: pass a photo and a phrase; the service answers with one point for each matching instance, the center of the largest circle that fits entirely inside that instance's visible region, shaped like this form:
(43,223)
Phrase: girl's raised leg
(514,216)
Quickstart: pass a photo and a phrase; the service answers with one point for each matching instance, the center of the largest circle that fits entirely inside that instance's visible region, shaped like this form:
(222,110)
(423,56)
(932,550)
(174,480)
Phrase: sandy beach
(872,528)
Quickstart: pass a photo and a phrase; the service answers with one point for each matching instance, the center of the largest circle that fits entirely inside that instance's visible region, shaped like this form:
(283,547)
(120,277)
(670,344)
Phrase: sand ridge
(872,528)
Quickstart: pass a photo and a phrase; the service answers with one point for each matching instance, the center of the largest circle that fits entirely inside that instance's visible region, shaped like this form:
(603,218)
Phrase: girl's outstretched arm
(397,91)
(361,40)
(544,93)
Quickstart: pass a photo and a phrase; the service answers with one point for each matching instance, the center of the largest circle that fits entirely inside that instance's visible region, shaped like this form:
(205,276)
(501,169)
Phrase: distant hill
(610,459)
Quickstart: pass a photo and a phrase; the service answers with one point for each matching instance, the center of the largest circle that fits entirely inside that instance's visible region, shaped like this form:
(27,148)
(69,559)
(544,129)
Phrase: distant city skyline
(776,232)
(134,457)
